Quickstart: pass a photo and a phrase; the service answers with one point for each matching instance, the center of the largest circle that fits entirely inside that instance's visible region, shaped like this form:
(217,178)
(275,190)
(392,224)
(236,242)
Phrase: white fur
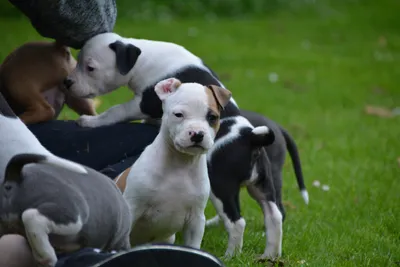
(235,229)
(253,177)
(157,60)
(16,139)
(213,221)
(304,194)
(37,229)
(273,224)
(168,187)
(260,130)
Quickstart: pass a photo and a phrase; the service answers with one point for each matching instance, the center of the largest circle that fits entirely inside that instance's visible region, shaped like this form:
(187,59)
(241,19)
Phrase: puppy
(31,80)
(258,167)
(61,211)
(167,188)
(57,204)
(109,61)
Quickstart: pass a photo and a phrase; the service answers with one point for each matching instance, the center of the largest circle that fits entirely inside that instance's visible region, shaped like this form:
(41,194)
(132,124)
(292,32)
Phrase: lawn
(314,69)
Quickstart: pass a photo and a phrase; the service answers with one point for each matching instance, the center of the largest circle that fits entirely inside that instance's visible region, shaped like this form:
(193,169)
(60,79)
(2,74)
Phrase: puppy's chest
(175,198)
(179,194)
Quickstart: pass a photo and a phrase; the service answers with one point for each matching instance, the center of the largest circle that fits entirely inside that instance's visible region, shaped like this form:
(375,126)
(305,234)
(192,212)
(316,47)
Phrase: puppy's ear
(65,50)
(166,87)
(221,95)
(126,56)
(262,136)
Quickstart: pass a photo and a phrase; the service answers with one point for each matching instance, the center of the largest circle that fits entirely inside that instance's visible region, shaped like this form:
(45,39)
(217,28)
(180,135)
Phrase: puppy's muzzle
(68,83)
(196,137)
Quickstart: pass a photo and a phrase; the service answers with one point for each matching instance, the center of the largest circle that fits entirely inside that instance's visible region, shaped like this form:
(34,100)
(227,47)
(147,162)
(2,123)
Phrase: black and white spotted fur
(259,169)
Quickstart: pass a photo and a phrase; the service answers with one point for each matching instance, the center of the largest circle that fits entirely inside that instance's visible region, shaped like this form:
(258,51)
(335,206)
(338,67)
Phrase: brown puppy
(31,79)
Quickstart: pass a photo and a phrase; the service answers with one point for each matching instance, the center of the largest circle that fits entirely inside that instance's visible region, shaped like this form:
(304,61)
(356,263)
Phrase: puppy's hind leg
(273,219)
(38,227)
(37,109)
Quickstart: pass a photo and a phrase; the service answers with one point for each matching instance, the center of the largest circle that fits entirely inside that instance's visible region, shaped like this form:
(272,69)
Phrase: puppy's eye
(212,118)
(89,68)
(178,115)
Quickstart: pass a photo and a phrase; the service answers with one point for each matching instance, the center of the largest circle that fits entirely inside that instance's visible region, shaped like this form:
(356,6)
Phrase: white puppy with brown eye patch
(168,186)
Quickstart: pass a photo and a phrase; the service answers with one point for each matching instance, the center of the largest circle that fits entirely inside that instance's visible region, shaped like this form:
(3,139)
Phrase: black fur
(234,163)
(16,163)
(126,56)
(294,155)
(151,104)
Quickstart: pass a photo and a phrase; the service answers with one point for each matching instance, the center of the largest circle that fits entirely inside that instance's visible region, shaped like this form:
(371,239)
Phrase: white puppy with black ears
(168,186)
(108,61)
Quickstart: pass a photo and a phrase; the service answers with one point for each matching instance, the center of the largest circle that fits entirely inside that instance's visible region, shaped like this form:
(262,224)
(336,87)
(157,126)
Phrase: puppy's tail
(16,163)
(294,155)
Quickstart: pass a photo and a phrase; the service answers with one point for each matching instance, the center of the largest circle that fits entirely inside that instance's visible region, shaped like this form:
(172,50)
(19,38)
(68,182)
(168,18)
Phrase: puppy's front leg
(120,113)
(194,230)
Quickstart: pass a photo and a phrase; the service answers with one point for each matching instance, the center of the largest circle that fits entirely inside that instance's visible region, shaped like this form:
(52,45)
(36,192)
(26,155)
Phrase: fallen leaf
(97,102)
(289,205)
(378,111)
(398,161)
(382,41)
(293,86)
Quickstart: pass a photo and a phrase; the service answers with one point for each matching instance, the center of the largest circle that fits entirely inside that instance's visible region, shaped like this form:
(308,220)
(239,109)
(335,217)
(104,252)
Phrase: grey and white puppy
(53,205)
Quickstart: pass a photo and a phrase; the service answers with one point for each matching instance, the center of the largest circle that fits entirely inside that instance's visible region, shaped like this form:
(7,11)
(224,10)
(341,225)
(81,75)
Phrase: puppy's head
(191,114)
(103,65)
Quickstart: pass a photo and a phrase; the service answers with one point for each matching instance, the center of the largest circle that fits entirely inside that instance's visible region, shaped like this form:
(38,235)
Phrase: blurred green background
(329,72)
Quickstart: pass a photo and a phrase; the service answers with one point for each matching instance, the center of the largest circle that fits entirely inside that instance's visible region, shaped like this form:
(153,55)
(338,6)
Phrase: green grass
(330,65)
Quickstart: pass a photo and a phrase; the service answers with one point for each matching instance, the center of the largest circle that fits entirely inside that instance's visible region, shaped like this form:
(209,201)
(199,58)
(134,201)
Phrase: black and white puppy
(256,165)
(109,61)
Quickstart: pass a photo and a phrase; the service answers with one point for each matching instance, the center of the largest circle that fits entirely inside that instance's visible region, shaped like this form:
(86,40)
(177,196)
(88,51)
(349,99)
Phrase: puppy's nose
(68,83)
(196,137)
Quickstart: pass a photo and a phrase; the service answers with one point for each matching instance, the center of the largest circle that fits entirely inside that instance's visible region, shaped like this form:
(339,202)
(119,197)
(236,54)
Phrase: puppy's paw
(270,263)
(88,121)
